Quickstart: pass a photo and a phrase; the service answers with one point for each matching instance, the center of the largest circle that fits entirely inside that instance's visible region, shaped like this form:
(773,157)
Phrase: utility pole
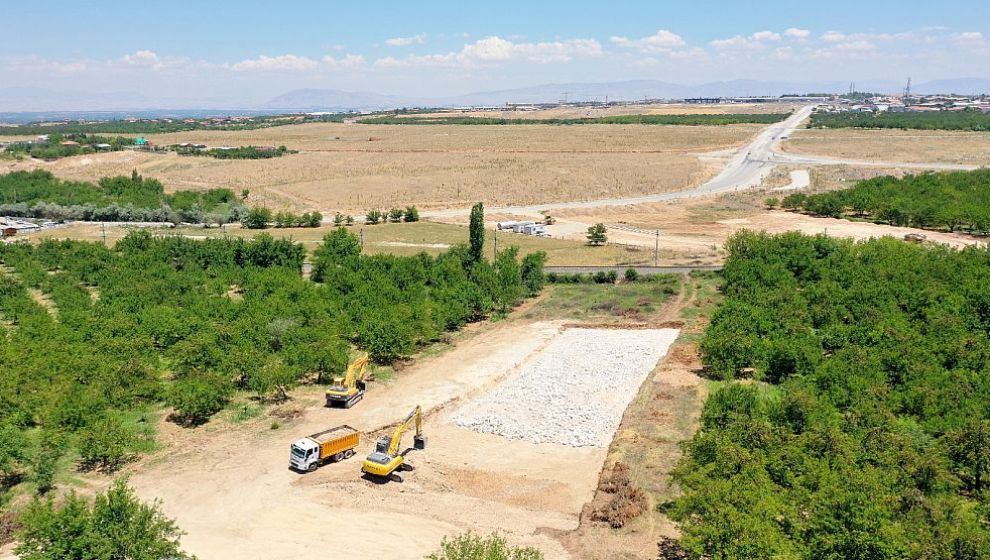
(656,250)
(495,251)
(104,225)
(362,239)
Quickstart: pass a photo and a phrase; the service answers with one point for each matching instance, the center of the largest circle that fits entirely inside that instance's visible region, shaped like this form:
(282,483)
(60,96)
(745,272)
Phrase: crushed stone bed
(574,391)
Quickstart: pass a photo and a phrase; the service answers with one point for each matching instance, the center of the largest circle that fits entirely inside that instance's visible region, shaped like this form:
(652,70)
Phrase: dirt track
(230,489)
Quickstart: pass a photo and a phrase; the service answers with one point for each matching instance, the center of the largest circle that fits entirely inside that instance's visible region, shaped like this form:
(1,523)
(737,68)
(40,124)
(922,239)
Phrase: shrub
(105,445)
(411,214)
(474,547)
(373,217)
(631,275)
(198,396)
(395,215)
(117,525)
(257,218)
(597,234)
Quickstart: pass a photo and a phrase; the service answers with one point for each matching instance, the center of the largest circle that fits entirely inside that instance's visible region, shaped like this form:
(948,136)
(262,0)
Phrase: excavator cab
(347,390)
(387,458)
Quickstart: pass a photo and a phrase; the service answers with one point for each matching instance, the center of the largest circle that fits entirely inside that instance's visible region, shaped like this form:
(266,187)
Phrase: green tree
(411,214)
(245,193)
(395,215)
(772,202)
(338,219)
(373,217)
(597,234)
(13,449)
(198,396)
(258,218)
(470,546)
(106,444)
(47,454)
(969,451)
(118,525)
(533,278)
(476,233)
(314,219)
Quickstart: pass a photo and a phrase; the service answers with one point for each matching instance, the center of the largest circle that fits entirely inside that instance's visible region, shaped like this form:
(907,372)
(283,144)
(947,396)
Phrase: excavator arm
(417,416)
(355,371)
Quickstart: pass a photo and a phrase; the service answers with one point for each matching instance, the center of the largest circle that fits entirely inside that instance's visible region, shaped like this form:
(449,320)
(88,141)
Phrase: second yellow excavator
(347,390)
(386,459)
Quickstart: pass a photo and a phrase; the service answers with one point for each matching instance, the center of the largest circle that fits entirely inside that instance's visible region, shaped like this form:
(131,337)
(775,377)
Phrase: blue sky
(251,50)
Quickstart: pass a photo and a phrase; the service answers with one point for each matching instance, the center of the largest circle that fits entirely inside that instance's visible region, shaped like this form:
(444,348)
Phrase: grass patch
(606,301)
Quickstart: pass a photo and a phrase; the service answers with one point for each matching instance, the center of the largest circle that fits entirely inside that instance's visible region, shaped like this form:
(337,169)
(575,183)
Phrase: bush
(631,275)
(105,445)
(772,202)
(117,525)
(197,397)
(395,215)
(373,217)
(411,214)
(597,234)
(473,547)
(257,218)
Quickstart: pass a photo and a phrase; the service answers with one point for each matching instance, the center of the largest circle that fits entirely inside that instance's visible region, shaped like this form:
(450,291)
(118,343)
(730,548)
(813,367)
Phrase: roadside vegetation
(951,200)
(687,120)
(191,324)
(59,146)
(39,194)
(238,152)
(850,418)
(968,119)
(470,546)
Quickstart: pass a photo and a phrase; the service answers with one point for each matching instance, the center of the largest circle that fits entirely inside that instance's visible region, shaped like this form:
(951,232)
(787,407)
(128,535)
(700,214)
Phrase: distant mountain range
(29,99)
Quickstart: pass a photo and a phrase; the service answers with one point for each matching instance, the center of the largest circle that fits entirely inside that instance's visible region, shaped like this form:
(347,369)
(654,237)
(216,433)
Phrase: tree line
(192,323)
(239,152)
(862,426)
(53,148)
(951,200)
(687,120)
(968,119)
(39,194)
(163,126)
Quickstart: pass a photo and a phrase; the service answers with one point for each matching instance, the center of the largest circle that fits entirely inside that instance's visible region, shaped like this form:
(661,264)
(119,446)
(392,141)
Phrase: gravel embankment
(574,392)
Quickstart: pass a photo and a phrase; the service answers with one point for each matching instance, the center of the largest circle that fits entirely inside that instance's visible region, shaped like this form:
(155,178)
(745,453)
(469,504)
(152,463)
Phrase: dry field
(921,146)
(652,109)
(356,167)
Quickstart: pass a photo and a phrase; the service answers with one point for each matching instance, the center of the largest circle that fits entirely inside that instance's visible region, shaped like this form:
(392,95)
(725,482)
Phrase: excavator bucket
(419,442)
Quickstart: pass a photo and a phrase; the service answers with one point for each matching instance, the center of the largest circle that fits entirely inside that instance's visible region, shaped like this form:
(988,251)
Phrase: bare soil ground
(922,146)
(228,485)
(356,167)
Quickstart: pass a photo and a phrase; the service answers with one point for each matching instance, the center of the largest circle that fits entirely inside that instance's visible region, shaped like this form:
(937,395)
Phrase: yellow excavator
(386,459)
(347,390)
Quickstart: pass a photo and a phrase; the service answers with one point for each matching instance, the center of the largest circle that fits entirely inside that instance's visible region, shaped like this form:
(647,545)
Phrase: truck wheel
(337,457)
(348,454)
(312,466)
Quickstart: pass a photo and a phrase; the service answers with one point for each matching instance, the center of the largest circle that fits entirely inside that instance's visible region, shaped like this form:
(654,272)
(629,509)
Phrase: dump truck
(349,389)
(386,459)
(336,444)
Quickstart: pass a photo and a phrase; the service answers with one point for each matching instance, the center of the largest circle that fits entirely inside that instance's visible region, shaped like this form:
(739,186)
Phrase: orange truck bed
(336,440)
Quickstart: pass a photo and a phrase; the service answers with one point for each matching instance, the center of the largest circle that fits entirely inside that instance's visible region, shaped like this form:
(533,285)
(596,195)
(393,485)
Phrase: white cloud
(406,41)
(661,41)
(796,33)
(765,36)
(35,63)
(973,39)
(833,36)
(496,49)
(347,62)
(275,63)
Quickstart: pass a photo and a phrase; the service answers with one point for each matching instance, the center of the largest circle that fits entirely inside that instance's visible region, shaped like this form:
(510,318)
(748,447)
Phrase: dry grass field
(355,167)
(922,146)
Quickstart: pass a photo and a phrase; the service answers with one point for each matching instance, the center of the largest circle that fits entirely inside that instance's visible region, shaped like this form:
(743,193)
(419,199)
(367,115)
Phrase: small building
(140,142)
(9,231)
(535,229)
(102,146)
(506,225)
(518,226)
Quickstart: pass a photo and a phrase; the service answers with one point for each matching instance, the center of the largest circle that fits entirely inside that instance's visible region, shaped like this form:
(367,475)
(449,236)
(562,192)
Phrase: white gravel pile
(574,391)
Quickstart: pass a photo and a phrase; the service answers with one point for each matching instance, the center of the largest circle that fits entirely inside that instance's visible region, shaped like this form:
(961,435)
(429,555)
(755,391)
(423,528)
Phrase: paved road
(642,270)
(746,168)
(801,159)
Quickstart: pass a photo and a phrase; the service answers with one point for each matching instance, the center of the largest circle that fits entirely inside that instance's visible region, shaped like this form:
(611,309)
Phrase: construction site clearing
(532,492)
